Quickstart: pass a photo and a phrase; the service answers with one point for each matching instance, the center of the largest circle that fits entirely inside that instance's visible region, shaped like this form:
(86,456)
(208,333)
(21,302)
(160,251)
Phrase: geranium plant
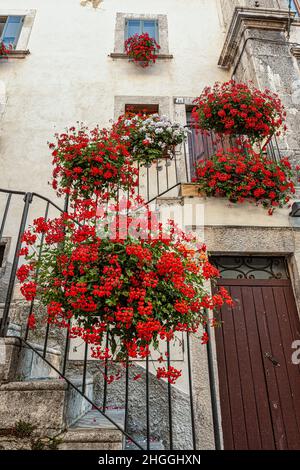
(150,137)
(92,162)
(4,50)
(239,109)
(134,281)
(242,174)
(142,49)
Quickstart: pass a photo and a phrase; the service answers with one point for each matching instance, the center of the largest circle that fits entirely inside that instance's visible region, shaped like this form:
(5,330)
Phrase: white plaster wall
(69,77)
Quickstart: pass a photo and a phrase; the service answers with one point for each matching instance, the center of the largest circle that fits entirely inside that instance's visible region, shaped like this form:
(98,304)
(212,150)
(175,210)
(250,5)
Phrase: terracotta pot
(191,190)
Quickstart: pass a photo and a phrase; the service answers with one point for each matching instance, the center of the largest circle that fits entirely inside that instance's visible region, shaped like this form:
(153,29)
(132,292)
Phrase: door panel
(260,399)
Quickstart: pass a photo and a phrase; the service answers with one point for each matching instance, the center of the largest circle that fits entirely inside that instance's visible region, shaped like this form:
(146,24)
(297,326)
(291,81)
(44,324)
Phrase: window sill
(121,55)
(16,54)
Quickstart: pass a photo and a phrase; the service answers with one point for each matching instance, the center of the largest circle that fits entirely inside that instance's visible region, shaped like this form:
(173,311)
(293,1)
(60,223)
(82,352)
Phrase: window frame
(142,21)
(17,37)
(137,108)
(120,29)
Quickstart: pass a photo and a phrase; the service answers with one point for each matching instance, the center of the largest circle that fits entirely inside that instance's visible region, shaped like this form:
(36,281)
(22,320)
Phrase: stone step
(94,431)
(50,405)
(91,439)
(32,366)
(20,362)
(94,419)
(76,406)
(38,402)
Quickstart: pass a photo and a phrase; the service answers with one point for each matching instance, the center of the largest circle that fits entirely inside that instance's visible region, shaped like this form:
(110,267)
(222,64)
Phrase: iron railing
(162,178)
(167,174)
(18,211)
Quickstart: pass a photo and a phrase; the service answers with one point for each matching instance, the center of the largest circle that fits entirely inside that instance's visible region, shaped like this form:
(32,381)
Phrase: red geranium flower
(239,109)
(142,49)
(240,173)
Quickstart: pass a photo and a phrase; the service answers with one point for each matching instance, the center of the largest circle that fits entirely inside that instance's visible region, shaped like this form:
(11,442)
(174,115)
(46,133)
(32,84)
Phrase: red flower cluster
(238,109)
(4,50)
(88,163)
(171,374)
(240,174)
(138,292)
(31,322)
(24,271)
(142,49)
(28,290)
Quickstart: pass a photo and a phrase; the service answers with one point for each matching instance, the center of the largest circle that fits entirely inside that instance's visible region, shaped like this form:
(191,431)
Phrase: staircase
(37,407)
(36,385)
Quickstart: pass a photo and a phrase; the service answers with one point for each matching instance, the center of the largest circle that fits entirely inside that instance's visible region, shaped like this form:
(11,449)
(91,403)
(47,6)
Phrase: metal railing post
(5,319)
(214,393)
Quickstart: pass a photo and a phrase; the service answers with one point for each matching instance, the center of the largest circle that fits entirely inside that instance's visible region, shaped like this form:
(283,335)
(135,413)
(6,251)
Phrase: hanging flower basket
(239,109)
(150,137)
(91,163)
(243,174)
(138,290)
(142,49)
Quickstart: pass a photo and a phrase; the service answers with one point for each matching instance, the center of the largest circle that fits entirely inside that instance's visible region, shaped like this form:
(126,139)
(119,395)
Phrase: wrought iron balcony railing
(165,176)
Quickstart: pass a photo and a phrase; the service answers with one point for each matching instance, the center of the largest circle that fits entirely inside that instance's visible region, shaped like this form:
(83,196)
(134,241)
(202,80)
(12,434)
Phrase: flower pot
(191,190)
(169,152)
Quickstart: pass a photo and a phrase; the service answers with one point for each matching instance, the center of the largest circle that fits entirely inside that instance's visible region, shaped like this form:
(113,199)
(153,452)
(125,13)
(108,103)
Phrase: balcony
(165,176)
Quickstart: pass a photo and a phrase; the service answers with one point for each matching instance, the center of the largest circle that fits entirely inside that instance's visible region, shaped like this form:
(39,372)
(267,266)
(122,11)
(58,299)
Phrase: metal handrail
(157,180)
(28,199)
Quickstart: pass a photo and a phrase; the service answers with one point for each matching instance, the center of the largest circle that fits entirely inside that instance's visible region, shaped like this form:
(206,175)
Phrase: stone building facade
(69,65)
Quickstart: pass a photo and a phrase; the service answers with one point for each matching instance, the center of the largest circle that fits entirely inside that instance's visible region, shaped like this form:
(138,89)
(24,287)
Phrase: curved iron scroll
(251,267)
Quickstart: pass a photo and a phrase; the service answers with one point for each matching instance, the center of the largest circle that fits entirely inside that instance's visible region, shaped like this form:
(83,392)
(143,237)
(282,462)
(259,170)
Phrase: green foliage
(23,429)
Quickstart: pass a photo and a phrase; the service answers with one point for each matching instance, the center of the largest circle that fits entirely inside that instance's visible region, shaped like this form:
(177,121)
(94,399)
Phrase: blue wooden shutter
(150,27)
(133,27)
(12,30)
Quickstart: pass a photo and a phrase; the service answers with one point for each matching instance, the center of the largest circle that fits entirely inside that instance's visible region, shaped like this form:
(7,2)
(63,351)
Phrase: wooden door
(259,384)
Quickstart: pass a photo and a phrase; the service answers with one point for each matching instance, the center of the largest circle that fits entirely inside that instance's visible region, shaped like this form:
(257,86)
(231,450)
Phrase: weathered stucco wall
(70,77)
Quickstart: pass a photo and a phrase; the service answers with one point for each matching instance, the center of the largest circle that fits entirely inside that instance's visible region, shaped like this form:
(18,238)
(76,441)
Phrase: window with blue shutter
(11,31)
(142,26)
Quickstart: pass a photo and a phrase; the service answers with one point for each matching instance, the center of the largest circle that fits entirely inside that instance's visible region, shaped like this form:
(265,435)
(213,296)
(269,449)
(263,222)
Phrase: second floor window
(142,108)
(140,27)
(10,29)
